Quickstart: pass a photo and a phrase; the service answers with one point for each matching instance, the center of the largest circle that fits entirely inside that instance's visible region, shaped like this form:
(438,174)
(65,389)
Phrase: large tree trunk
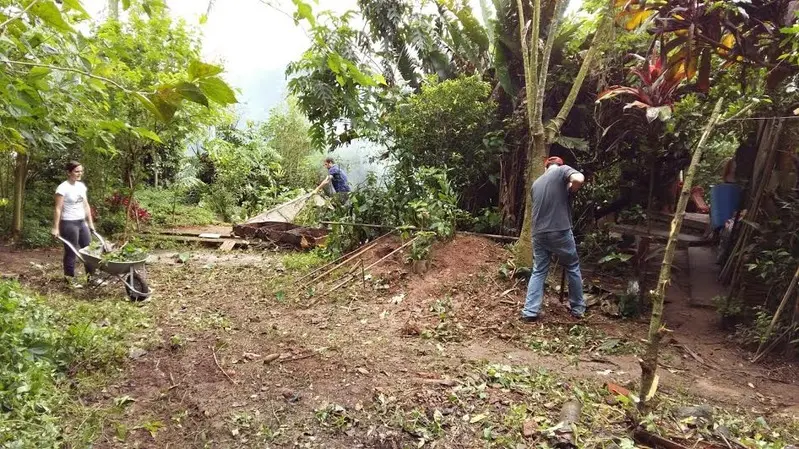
(535,81)
(20,178)
(650,359)
(535,168)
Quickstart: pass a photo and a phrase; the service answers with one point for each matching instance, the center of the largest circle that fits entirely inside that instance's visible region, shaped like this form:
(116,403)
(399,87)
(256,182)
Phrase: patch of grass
(576,340)
(303,261)
(335,417)
(52,353)
(167,209)
(495,402)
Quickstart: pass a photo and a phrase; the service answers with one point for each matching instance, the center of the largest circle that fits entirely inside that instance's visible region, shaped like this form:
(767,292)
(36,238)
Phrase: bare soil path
(248,358)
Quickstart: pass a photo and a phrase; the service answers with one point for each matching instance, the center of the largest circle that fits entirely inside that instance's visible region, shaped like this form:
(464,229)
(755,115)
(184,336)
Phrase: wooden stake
(649,362)
(352,257)
(351,253)
(349,277)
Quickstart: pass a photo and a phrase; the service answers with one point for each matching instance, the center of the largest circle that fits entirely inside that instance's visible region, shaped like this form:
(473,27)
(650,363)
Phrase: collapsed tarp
(275,224)
(288,211)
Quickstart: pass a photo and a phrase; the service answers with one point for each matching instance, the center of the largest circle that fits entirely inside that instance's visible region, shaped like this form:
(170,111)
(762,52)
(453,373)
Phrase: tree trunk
(535,168)
(535,81)
(20,177)
(650,359)
(113,9)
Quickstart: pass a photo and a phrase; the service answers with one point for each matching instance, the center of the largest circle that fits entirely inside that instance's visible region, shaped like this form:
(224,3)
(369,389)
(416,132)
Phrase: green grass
(52,353)
(303,261)
(167,209)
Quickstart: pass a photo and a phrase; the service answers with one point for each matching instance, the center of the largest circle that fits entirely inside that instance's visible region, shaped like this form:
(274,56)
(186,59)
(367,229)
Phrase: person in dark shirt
(338,178)
(552,234)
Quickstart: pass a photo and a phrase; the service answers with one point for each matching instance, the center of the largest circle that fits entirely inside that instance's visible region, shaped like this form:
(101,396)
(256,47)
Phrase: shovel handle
(71,247)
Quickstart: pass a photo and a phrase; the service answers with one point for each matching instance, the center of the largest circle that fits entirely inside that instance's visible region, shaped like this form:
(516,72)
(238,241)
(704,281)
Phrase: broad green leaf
(169,94)
(304,11)
(360,77)
(199,69)
(126,4)
(334,61)
(144,132)
(51,15)
(203,19)
(114,126)
(149,105)
(38,73)
(191,92)
(166,110)
(75,5)
(217,91)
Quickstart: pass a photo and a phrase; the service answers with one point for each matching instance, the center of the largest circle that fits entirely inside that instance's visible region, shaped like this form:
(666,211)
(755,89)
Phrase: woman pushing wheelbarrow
(73,225)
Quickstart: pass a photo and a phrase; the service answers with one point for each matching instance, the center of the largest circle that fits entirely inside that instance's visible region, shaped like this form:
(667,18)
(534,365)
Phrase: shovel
(107,247)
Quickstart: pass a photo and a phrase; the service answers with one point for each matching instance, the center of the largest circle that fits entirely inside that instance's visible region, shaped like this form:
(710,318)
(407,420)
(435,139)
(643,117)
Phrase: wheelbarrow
(132,274)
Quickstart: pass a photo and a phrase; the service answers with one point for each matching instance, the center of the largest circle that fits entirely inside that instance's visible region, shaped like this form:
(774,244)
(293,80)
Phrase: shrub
(168,207)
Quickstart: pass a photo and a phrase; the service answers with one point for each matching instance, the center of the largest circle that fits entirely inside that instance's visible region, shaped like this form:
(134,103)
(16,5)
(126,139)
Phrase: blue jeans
(560,243)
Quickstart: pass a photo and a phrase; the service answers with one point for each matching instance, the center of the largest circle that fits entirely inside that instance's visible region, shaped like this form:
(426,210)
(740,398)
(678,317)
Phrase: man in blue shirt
(338,178)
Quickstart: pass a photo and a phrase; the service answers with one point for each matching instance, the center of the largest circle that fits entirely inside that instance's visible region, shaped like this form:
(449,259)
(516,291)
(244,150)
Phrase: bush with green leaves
(424,201)
(246,175)
(168,207)
(43,351)
(450,125)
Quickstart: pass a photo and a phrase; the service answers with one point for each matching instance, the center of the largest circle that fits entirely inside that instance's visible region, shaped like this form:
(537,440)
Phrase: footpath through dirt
(247,355)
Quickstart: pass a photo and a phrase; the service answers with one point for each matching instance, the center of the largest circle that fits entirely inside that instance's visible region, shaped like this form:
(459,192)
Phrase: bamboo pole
(650,359)
(788,294)
(350,276)
(362,250)
(357,250)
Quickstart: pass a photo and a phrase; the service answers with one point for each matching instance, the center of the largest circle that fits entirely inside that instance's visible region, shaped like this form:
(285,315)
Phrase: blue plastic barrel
(724,201)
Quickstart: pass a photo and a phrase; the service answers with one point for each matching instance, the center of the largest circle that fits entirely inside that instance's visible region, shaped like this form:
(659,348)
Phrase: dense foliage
(452,125)
(43,353)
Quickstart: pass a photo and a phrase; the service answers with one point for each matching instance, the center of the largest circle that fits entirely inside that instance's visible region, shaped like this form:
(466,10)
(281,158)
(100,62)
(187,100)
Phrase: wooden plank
(658,234)
(227,245)
(210,242)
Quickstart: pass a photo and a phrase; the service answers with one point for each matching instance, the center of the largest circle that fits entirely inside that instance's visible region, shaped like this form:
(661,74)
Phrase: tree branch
(67,69)
(554,27)
(529,80)
(17,17)
(605,26)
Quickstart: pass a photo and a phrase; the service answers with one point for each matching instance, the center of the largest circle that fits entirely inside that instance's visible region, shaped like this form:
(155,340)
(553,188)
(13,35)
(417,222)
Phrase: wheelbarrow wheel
(139,284)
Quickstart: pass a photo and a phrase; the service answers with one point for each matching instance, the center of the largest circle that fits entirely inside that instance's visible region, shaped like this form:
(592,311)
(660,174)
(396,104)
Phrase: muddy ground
(242,355)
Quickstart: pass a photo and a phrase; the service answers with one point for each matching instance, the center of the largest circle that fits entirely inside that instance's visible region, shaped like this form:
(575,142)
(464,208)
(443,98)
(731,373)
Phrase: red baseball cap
(553,160)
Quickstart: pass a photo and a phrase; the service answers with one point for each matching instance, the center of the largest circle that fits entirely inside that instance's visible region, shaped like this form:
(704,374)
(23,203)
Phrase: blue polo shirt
(339,181)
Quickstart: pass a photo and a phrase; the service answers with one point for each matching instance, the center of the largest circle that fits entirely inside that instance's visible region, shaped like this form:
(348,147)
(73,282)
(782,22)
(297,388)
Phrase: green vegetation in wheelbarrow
(126,253)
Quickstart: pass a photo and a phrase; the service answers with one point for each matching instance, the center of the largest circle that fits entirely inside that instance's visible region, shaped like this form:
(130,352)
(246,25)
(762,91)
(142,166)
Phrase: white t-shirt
(73,194)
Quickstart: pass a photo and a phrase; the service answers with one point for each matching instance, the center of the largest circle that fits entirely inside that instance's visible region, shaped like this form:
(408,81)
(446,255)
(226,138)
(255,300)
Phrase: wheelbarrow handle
(106,247)
(71,247)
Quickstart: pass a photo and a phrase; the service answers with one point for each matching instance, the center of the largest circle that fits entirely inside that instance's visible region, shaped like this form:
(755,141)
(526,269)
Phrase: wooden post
(20,179)
(650,360)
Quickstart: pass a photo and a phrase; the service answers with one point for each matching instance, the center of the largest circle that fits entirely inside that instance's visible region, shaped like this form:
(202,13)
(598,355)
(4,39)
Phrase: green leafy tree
(57,82)
(450,124)
(286,130)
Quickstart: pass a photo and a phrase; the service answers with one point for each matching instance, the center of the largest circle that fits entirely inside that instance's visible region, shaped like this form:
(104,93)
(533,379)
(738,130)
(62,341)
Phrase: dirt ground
(250,356)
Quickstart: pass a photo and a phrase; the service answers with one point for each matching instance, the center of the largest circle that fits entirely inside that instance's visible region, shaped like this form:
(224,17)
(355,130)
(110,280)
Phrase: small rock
(702,411)
(251,356)
(363,370)
(136,353)
(290,395)
(528,428)
(271,358)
